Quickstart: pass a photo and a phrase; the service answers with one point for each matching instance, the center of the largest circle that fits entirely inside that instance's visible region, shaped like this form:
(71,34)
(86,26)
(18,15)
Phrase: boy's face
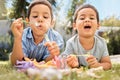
(40,19)
(86,22)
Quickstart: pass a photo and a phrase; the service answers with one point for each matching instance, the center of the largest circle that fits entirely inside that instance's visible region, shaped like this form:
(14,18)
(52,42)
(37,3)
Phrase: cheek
(32,22)
(79,23)
(47,24)
(79,26)
(31,18)
(46,28)
(96,26)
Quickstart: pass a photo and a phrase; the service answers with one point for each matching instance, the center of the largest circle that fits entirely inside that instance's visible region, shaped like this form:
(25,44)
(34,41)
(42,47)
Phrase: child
(31,41)
(86,22)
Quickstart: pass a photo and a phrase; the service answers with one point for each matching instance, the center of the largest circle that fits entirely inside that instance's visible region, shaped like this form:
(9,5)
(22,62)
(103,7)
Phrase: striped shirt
(39,52)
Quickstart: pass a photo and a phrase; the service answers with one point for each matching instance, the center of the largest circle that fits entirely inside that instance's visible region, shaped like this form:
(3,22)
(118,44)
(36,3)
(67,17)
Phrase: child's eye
(35,16)
(46,17)
(81,18)
(92,18)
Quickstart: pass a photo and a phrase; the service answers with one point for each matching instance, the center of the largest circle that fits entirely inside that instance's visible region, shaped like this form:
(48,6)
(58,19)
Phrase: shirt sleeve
(58,39)
(24,48)
(69,48)
(46,54)
(105,50)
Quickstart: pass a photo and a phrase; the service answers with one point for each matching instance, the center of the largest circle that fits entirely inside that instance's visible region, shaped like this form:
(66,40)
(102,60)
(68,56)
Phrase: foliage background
(19,9)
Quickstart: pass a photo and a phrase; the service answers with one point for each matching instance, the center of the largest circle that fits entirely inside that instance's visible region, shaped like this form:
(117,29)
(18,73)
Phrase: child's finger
(17,23)
(53,48)
(55,52)
(92,62)
(72,62)
(48,44)
(90,57)
(51,45)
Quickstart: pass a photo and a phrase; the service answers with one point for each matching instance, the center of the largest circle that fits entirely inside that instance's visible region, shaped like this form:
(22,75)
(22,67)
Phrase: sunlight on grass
(7,72)
(4,62)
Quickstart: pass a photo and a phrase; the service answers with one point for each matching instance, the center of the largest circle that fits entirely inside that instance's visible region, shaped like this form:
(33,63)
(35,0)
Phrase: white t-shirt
(73,46)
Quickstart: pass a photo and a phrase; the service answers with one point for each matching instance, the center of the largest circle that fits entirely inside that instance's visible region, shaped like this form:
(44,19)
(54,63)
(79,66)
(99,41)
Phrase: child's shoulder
(27,31)
(100,39)
(73,39)
(54,32)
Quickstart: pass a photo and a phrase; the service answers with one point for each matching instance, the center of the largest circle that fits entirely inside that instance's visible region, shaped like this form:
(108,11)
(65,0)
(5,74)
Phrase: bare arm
(105,62)
(17,53)
(17,29)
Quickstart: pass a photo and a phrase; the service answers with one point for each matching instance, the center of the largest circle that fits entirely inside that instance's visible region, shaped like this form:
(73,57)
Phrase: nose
(87,20)
(40,19)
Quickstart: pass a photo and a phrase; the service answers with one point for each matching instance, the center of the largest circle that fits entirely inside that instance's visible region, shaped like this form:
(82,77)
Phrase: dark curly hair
(36,2)
(85,6)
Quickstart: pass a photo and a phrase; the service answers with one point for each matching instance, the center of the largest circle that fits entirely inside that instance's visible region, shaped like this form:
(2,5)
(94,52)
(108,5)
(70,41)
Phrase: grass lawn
(9,73)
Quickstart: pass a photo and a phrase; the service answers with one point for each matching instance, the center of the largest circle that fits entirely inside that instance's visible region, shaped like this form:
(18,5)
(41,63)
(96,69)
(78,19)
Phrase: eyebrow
(92,15)
(38,12)
(46,13)
(34,12)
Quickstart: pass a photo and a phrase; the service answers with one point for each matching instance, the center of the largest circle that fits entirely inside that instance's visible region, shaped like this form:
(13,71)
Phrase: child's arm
(17,29)
(105,62)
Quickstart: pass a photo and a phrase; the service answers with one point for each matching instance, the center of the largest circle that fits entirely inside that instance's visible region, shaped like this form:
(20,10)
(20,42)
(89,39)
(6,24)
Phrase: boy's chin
(88,35)
(39,34)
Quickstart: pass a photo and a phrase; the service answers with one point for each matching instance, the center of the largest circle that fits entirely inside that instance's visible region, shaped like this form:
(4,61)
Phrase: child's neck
(38,39)
(87,43)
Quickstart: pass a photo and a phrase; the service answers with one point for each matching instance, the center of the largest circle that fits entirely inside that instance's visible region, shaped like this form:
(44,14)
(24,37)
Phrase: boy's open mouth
(87,27)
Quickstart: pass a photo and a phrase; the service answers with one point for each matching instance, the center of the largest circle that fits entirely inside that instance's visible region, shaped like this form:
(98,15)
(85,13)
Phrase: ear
(74,26)
(27,20)
(52,23)
(98,26)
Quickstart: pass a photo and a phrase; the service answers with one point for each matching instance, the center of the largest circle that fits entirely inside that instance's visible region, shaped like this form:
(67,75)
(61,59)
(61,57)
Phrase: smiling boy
(86,22)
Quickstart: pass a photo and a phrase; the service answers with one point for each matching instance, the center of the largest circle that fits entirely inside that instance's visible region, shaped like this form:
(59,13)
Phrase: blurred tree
(114,42)
(75,4)
(3,10)
(53,2)
(111,21)
(20,8)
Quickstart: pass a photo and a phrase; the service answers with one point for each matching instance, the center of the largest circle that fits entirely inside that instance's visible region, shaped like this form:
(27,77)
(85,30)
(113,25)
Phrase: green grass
(9,73)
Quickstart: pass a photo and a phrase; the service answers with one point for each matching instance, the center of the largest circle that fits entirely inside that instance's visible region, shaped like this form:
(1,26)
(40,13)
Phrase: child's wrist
(17,38)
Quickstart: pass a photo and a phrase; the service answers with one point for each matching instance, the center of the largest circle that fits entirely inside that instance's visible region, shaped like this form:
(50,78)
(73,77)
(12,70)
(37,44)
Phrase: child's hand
(53,48)
(17,28)
(72,61)
(92,62)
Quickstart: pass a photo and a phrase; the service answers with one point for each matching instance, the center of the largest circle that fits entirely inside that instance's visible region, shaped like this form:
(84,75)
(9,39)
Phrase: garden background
(63,11)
